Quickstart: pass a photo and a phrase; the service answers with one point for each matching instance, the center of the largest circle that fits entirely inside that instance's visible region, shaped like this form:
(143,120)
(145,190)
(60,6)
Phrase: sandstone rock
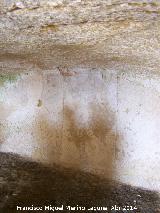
(97,32)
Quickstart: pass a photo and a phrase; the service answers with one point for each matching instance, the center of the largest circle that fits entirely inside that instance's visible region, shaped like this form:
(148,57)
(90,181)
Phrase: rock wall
(108,127)
(79,85)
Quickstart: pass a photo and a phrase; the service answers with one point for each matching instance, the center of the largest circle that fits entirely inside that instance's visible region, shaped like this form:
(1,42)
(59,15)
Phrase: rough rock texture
(75,53)
(24,183)
(71,32)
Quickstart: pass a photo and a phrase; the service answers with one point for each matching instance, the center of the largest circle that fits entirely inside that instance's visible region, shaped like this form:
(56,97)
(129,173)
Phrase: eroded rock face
(79,84)
(88,32)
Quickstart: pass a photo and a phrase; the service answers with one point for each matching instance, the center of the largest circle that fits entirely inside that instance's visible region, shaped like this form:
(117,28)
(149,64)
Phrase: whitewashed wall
(102,121)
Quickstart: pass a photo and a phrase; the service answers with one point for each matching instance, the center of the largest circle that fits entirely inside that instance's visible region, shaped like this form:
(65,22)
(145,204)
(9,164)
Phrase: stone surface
(70,32)
(79,85)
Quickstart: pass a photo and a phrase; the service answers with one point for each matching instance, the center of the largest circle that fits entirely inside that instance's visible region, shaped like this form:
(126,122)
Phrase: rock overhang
(72,33)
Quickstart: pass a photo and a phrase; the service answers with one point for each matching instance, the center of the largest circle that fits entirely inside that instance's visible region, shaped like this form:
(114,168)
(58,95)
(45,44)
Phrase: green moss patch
(8,78)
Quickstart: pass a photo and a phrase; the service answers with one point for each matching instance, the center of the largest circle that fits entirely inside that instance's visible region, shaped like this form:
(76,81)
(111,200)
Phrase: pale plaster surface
(108,127)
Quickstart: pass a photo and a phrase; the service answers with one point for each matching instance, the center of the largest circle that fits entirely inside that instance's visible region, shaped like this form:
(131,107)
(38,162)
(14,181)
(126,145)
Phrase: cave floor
(25,183)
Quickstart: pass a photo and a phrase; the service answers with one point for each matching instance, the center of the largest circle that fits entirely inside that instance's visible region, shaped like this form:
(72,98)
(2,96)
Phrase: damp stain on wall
(40,103)
(48,138)
(8,78)
(87,147)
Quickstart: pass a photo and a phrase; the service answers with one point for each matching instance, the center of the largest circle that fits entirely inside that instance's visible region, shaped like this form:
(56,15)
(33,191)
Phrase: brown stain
(76,134)
(65,72)
(101,126)
(49,28)
(59,7)
(93,144)
(123,23)
(48,137)
(39,104)
(3,132)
